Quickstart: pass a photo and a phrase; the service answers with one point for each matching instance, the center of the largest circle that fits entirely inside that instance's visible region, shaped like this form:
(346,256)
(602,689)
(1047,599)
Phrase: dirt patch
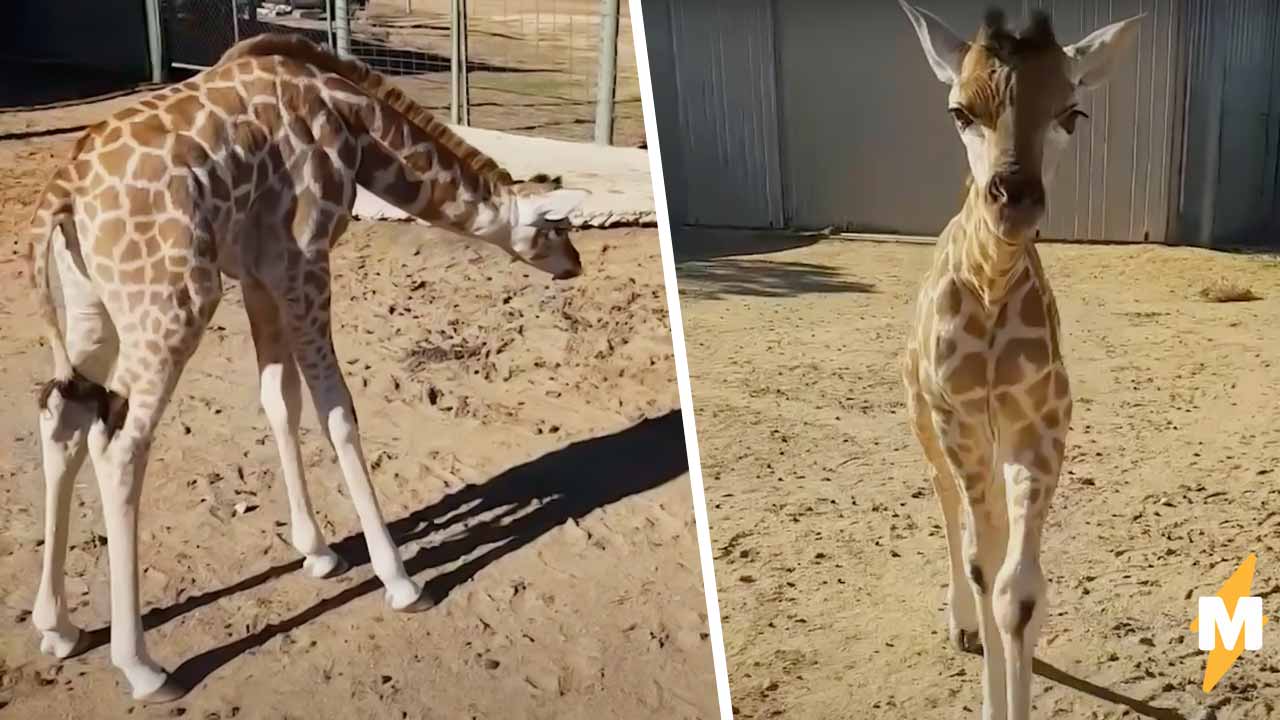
(526,443)
(831,561)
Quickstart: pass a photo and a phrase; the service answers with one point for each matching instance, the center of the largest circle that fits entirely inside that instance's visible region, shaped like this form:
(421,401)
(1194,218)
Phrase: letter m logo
(1216,621)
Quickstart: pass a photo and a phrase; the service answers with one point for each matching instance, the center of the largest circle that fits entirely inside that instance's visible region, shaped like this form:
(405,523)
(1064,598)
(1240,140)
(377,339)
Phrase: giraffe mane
(296,47)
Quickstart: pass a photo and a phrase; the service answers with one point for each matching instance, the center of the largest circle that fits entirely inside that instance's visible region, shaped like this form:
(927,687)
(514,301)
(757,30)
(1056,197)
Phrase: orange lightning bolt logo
(1230,613)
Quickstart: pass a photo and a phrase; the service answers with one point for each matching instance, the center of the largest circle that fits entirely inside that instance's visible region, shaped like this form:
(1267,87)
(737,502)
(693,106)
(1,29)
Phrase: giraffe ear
(942,47)
(1093,57)
(550,206)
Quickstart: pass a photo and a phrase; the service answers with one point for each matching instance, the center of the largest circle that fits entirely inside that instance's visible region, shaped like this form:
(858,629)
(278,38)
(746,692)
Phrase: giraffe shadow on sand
(1141,708)
(509,511)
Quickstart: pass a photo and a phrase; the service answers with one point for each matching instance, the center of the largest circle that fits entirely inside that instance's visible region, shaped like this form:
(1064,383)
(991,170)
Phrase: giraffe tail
(54,209)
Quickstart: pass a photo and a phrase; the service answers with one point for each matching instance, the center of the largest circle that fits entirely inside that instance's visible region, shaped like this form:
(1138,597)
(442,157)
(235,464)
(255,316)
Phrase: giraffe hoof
(423,601)
(326,566)
(64,646)
(168,691)
(967,641)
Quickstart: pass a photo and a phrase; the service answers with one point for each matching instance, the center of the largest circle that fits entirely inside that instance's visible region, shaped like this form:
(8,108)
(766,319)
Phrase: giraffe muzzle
(1018,200)
(572,272)
(574,261)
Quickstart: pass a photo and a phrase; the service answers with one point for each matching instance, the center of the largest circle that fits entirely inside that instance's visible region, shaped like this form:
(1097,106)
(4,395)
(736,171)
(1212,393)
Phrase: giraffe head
(540,226)
(1015,102)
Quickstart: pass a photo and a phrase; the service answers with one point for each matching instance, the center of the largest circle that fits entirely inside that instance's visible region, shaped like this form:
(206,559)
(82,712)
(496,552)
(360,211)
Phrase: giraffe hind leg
(67,409)
(155,347)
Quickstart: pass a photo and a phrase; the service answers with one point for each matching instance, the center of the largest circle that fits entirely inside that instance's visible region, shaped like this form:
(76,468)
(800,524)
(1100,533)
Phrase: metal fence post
(460,101)
(607,74)
(343,35)
(154,42)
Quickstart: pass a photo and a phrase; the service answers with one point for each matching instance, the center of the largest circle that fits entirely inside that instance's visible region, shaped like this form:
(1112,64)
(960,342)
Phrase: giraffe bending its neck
(986,386)
(250,170)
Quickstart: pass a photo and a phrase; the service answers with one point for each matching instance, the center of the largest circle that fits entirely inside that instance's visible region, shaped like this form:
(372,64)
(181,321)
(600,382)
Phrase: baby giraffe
(247,170)
(987,389)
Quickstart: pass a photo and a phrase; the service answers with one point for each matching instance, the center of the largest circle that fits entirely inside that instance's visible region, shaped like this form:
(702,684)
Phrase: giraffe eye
(1068,119)
(963,119)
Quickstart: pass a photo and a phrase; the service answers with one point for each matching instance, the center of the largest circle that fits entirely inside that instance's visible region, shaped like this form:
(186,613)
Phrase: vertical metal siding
(720,58)
(867,142)
(1229,193)
(666,102)
(1183,143)
(1246,159)
(868,146)
(1116,181)
(1204,70)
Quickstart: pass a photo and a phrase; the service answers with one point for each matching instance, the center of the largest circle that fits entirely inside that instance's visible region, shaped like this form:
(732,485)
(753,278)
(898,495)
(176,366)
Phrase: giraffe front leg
(962,610)
(280,392)
(986,538)
(337,417)
(1031,476)
(962,607)
(309,324)
(968,447)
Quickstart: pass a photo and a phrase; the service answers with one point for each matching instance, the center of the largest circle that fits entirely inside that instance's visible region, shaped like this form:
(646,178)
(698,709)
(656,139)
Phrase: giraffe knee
(1018,599)
(977,578)
(1014,614)
(1026,609)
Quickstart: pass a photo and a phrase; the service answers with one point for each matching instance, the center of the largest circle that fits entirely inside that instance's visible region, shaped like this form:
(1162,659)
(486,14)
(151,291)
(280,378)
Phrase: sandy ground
(830,556)
(526,442)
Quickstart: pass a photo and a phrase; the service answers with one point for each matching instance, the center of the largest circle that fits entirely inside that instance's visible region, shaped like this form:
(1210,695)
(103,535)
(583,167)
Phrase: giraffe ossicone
(248,170)
(986,385)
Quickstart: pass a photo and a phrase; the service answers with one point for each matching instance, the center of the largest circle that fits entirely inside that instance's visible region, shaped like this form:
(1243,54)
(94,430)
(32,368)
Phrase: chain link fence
(532,65)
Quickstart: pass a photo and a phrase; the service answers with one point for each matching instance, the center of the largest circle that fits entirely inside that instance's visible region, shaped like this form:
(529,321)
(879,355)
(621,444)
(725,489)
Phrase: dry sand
(525,440)
(830,557)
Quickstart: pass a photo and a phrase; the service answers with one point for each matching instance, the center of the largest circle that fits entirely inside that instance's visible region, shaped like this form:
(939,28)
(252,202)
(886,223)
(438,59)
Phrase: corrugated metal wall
(1118,179)
(882,155)
(1181,145)
(1230,154)
(713,61)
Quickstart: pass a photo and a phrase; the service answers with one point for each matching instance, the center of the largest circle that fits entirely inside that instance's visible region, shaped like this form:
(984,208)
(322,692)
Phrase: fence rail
(523,66)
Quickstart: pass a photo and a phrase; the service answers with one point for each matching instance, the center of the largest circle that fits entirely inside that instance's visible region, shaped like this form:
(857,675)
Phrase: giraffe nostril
(1016,190)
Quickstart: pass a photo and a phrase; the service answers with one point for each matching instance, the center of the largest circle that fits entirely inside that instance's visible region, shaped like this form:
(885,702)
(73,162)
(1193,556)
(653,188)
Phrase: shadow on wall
(713,263)
(469,529)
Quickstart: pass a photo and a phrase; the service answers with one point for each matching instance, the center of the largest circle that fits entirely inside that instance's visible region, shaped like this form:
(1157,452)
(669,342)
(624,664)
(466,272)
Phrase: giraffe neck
(419,172)
(407,157)
(989,262)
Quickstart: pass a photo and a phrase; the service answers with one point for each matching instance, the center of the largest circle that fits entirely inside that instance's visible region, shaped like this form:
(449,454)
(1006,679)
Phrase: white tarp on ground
(617,177)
